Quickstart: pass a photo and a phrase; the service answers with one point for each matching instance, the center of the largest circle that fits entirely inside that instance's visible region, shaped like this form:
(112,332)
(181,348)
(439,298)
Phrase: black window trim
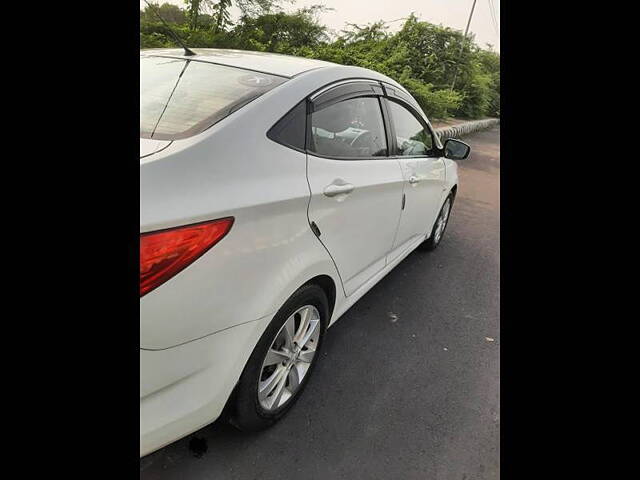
(386,93)
(309,139)
(306,120)
(347,90)
(388,128)
(435,151)
(319,93)
(395,92)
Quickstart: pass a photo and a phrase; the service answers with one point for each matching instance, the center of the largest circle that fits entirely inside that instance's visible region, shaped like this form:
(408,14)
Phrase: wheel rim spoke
(310,331)
(289,332)
(266,388)
(442,220)
(305,317)
(279,390)
(294,379)
(307,355)
(275,356)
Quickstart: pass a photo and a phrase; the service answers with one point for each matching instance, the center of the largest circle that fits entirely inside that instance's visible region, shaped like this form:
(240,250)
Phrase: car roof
(272,63)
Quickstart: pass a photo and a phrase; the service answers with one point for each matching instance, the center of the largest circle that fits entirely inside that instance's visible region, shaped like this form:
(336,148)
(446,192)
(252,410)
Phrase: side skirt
(359,293)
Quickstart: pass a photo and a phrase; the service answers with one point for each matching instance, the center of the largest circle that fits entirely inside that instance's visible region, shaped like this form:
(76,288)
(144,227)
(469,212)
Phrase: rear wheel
(281,364)
(440,225)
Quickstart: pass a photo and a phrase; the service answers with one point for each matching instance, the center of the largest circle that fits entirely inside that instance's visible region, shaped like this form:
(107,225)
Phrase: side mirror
(456,150)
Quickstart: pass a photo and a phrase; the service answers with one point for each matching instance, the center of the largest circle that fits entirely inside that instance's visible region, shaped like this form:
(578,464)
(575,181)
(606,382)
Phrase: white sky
(449,13)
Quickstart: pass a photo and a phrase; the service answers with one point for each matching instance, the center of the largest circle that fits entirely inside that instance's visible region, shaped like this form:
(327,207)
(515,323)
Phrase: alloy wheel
(441,223)
(289,358)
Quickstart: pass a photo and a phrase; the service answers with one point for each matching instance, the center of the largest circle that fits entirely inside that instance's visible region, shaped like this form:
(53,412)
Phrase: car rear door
(413,144)
(356,189)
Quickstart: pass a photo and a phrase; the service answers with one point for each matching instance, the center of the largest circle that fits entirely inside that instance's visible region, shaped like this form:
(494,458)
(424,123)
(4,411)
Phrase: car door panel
(422,198)
(424,175)
(357,228)
(356,189)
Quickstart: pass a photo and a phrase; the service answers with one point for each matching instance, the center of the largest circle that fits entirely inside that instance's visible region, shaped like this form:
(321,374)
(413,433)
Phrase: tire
(434,239)
(251,411)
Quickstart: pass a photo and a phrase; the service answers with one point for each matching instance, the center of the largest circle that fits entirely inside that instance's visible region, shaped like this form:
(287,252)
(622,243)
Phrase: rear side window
(180,98)
(351,128)
(412,138)
(290,130)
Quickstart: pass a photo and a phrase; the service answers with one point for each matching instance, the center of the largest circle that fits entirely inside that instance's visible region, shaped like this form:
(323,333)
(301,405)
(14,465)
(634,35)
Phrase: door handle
(413,180)
(338,189)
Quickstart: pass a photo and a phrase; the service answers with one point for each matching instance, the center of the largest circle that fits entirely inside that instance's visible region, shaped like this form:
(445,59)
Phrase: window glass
(291,129)
(179,98)
(411,136)
(351,128)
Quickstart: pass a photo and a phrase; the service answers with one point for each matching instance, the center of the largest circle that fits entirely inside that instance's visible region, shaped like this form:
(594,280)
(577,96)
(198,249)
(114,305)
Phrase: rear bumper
(184,388)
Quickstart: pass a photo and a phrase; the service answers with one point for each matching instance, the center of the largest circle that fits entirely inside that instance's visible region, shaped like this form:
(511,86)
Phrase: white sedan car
(274,192)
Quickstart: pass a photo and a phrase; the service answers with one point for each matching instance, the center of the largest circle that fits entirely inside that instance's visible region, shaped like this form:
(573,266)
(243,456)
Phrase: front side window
(411,136)
(351,128)
(180,98)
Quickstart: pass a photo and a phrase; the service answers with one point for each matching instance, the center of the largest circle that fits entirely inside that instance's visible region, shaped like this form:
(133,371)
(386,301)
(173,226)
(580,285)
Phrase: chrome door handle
(413,180)
(338,189)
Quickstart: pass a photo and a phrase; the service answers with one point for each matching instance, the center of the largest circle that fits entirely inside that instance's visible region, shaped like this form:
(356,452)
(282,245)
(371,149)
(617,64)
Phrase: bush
(435,103)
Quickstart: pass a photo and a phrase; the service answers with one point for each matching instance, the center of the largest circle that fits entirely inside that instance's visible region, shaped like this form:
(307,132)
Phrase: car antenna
(187,51)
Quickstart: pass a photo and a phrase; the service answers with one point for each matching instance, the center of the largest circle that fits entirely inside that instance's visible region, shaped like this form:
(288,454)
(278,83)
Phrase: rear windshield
(179,98)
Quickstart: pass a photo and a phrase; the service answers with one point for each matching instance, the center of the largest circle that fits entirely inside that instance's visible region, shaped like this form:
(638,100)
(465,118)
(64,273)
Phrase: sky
(449,13)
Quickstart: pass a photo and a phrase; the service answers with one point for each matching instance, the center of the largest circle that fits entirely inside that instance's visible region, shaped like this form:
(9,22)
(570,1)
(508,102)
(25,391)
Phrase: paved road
(409,384)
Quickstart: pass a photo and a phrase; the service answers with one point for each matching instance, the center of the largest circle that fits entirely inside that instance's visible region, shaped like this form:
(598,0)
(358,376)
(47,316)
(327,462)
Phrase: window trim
(435,151)
(386,93)
(388,128)
(306,122)
(343,92)
(341,98)
(393,91)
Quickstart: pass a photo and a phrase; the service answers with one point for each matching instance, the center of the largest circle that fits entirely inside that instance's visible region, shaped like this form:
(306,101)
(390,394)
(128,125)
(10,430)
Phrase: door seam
(395,235)
(306,156)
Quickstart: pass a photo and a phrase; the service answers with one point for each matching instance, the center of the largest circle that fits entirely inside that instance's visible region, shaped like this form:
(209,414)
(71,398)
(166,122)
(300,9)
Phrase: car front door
(423,170)
(356,189)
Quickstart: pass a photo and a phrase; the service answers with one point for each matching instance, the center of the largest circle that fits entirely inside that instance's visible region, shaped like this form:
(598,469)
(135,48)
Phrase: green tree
(221,15)
(421,56)
(220,9)
(193,8)
(282,32)
(171,14)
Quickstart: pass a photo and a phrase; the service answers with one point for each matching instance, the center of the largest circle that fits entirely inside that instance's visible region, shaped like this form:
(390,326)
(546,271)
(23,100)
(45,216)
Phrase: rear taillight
(165,253)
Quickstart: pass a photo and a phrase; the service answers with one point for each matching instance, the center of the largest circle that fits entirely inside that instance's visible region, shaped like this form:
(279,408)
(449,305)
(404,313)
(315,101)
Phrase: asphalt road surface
(408,386)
